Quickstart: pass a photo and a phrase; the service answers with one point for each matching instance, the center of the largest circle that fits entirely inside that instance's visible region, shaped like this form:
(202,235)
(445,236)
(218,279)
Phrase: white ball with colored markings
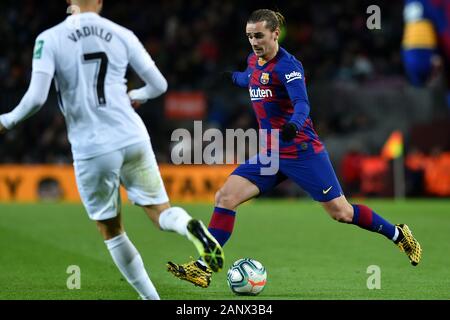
(247,277)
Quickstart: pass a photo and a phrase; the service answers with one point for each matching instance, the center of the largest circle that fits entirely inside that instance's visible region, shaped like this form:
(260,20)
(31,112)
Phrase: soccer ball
(247,277)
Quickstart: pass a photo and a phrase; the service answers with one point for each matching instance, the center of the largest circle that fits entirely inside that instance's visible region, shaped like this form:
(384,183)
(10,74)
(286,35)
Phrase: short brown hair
(273,19)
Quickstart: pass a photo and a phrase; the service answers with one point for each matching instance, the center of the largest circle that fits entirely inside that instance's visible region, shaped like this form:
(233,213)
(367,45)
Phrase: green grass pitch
(307,255)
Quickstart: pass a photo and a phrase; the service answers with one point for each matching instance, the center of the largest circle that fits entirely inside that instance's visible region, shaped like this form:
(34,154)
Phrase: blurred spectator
(375,177)
(351,172)
(415,164)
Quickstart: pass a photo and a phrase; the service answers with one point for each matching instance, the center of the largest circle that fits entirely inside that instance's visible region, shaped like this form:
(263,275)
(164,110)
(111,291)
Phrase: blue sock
(366,218)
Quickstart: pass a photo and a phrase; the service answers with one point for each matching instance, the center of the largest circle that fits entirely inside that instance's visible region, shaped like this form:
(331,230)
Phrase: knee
(226,200)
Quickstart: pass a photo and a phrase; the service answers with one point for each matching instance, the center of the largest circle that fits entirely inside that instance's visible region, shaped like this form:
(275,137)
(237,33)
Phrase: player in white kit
(87,56)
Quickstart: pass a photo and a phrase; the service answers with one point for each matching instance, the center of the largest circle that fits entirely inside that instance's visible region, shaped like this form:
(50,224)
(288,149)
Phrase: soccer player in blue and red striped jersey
(276,83)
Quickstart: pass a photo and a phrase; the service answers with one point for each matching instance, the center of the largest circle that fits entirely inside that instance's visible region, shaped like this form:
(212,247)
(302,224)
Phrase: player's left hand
(288,132)
(135,104)
(134,99)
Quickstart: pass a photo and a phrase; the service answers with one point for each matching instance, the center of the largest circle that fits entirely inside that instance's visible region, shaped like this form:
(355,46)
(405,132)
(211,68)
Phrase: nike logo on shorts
(328,190)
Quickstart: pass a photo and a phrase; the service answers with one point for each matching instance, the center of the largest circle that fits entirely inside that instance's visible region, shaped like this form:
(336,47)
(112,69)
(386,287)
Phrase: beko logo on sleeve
(294,75)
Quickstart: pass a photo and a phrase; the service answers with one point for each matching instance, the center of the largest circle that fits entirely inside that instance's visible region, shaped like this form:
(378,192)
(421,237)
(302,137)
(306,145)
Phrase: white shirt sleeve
(41,79)
(145,67)
(32,101)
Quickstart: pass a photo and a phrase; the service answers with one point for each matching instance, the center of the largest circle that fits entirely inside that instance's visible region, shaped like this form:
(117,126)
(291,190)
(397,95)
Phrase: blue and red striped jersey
(278,94)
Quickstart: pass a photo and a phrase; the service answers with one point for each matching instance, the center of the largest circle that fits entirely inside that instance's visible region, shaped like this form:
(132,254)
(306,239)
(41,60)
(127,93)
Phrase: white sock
(130,264)
(395,235)
(175,219)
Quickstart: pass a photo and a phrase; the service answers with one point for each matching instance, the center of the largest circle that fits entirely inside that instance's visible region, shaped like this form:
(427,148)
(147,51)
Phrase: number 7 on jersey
(102,61)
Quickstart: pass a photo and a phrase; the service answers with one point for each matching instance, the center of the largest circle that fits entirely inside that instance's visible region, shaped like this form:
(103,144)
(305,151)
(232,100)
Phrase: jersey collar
(261,63)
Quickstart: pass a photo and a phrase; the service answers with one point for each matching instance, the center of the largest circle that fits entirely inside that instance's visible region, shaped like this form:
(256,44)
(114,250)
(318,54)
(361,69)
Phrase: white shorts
(99,179)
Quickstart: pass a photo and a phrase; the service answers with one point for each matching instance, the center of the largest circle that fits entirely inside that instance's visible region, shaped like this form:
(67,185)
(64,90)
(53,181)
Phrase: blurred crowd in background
(192,42)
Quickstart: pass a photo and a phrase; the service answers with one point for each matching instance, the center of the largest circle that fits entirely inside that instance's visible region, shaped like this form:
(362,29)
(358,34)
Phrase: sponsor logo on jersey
(294,75)
(265,78)
(260,94)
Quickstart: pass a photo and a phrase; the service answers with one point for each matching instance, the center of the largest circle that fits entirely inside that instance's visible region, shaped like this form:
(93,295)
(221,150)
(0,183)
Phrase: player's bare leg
(126,257)
(234,192)
(154,212)
(178,220)
(341,210)
(111,228)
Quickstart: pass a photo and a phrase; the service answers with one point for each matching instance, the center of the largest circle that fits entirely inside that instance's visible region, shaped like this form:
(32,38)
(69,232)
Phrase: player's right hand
(226,76)
(221,78)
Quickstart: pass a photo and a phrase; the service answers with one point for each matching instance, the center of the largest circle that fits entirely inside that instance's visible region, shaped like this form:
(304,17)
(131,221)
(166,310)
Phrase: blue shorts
(314,174)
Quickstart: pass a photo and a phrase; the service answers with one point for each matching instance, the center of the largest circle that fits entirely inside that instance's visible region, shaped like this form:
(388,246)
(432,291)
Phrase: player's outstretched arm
(31,102)
(241,79)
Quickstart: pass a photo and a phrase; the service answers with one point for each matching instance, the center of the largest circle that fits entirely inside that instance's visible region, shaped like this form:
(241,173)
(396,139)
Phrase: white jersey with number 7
(88,56)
